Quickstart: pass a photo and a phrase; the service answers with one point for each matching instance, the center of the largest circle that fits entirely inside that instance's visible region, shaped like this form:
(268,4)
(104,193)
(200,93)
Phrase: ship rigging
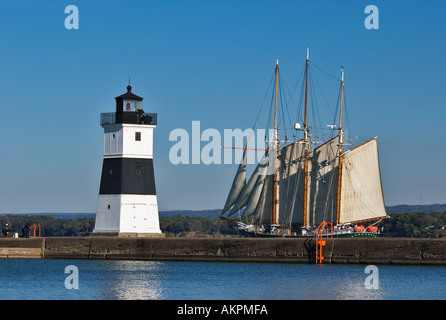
(296,187)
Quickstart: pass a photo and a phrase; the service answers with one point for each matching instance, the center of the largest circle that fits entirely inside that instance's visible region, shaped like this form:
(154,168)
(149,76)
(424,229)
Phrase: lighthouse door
(140,217)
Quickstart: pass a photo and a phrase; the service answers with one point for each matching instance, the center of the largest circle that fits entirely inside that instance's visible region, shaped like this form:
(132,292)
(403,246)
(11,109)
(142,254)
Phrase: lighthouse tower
(127,202)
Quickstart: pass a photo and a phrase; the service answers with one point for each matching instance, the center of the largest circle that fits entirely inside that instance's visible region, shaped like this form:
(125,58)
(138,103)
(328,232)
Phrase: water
(118,279)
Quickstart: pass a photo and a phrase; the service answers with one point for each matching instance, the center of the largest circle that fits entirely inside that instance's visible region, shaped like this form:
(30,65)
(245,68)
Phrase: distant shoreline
(400,208)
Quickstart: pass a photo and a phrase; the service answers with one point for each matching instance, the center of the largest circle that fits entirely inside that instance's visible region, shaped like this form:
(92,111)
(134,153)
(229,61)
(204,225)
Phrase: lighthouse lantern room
(127,202)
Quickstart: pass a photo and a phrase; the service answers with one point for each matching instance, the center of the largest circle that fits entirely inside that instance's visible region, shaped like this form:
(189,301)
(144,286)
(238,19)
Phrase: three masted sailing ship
(294,188)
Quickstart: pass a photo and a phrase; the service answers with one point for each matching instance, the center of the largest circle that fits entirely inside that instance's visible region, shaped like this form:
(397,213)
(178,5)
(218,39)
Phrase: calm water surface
(117,279)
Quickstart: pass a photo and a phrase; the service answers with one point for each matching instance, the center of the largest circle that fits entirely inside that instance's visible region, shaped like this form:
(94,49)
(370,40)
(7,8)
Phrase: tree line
(178,225)
(414,224)
(49,226)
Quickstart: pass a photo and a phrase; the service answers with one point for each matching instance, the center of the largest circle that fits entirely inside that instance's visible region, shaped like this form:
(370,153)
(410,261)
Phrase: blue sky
(210,61)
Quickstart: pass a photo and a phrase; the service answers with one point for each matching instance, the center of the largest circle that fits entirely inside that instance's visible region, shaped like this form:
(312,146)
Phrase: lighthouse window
(137,136)
(129,105)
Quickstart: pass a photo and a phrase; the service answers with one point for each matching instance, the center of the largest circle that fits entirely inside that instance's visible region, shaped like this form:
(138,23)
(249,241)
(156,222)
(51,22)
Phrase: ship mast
(306,142)
(275,140)
(341,151)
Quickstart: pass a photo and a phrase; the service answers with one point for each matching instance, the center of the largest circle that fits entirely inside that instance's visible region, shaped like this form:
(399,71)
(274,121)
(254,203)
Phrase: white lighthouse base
(127,215)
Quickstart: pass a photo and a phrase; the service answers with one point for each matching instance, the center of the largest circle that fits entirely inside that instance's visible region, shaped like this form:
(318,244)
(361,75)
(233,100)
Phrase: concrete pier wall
(355,250)
(22,248)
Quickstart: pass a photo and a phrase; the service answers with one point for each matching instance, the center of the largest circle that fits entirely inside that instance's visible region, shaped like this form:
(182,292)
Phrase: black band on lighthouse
(127,176)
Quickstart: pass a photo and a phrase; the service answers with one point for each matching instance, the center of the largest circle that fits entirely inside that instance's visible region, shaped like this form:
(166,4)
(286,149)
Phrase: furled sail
(362,194)
(322,185)
(237,185)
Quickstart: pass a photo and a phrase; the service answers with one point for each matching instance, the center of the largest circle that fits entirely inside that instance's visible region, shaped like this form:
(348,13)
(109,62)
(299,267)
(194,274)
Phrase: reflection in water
(355,289)
(133,280)
(341,283)
(307,282)
(173,280)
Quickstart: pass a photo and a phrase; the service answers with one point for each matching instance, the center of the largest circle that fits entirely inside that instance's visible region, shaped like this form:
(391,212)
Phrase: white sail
(264,209)
(253,200)
(322,184)
(237,185)
(291,184)
(250,190)
(361,194)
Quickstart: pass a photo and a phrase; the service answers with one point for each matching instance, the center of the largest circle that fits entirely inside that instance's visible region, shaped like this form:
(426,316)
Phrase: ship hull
(358,235)
(363,234)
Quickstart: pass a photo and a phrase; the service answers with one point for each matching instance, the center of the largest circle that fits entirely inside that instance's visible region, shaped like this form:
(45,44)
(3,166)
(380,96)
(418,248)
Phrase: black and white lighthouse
(127,202)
